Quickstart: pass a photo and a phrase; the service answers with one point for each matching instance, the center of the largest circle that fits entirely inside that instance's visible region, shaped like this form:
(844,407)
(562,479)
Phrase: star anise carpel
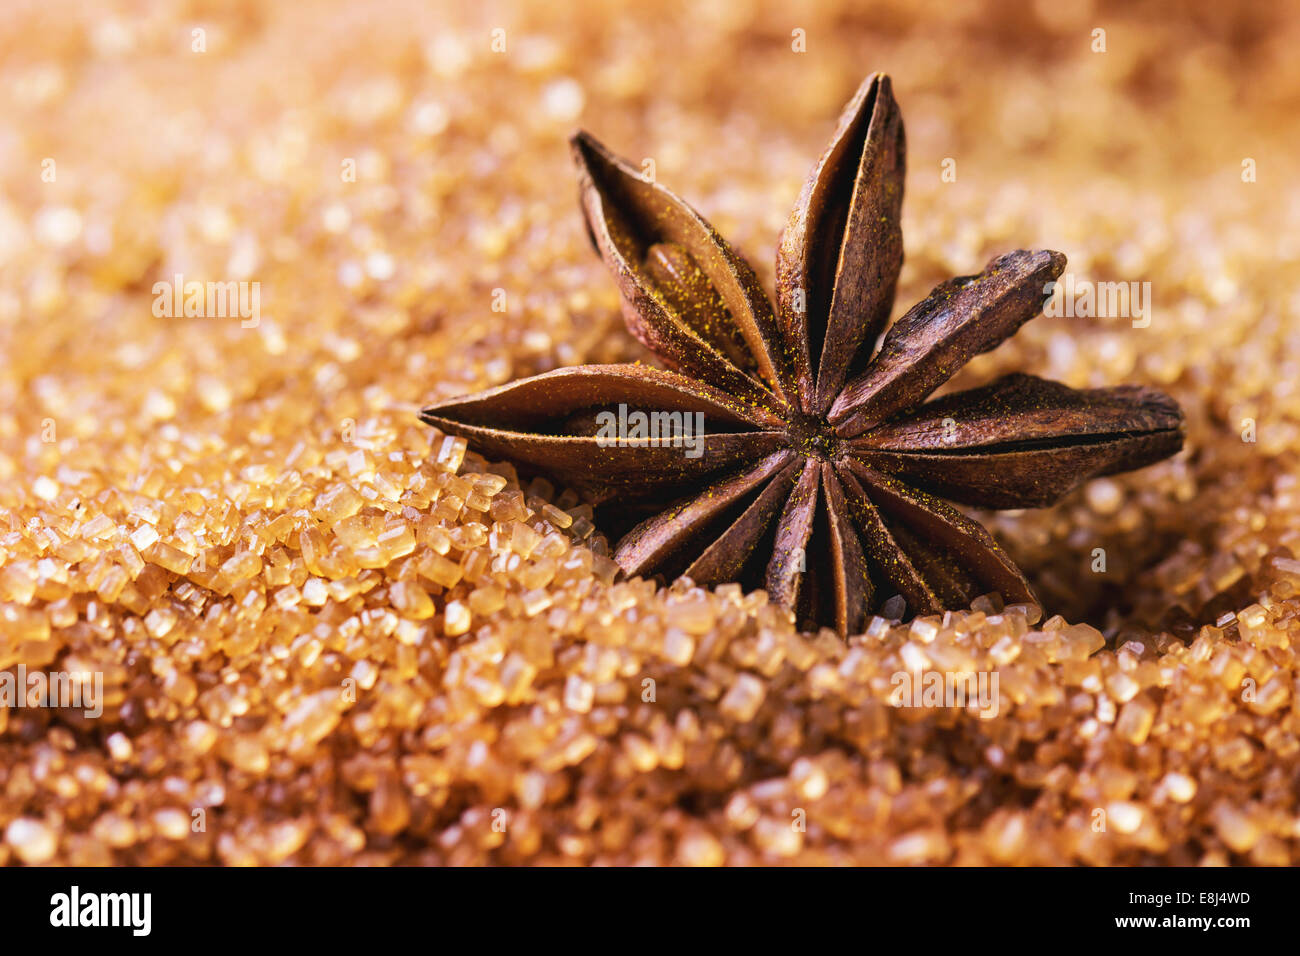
(821,469)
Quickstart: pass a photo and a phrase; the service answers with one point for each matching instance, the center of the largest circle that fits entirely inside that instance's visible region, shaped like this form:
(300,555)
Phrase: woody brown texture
(814,482)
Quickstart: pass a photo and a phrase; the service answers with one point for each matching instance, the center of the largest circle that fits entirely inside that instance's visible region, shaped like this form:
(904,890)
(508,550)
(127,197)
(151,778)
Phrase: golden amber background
(343,639)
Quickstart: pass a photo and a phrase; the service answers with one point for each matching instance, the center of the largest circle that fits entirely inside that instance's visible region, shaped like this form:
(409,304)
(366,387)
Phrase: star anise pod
(822,466)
